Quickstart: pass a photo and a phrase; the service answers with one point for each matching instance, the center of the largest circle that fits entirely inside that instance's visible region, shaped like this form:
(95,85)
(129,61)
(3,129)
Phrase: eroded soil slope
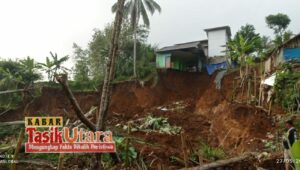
(128,98)
(208,114)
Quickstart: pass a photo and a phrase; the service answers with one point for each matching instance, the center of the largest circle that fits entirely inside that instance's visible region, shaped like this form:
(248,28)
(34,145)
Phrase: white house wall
(216,41)
(280,58)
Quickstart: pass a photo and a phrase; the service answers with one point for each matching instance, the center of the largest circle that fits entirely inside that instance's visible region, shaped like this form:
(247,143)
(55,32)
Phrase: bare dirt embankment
(128,98)
(208,115)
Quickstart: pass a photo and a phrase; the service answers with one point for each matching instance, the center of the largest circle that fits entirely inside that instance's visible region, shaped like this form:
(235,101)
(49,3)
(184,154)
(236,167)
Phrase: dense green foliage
(16,75)
(248,32)
(279,23)
(90,63)
(22,74)
(287,88)
(247,46)
(81,64)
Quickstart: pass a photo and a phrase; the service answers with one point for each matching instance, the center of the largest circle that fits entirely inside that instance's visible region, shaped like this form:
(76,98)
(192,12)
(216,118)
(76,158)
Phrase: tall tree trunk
(109,74)
(134,50)
(110,67)
(135,27)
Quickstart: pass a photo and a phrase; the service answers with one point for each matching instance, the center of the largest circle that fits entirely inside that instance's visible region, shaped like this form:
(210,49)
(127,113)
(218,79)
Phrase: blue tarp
(211,68)
(291,54)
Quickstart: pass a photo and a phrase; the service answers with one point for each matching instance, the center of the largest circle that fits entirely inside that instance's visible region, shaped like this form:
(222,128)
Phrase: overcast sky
(35,27)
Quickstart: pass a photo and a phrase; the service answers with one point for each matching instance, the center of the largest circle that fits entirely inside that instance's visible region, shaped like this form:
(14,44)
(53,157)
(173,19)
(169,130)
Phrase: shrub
(286,88)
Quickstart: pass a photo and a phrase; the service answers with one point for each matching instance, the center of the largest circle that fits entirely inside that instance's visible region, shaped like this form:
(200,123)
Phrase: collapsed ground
(189,101)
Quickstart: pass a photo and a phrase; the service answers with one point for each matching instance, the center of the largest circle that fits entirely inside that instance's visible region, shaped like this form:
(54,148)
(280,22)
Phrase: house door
(168,62)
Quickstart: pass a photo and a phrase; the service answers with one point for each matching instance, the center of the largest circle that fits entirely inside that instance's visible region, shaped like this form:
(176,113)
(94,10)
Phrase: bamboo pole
(17,90)
(20,122)
(12,91)
(6,148)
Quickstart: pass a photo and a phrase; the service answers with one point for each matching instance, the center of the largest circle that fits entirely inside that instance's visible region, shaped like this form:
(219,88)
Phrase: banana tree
(51,67)
(240,49)
(57,63)
(47,67)
(29,68)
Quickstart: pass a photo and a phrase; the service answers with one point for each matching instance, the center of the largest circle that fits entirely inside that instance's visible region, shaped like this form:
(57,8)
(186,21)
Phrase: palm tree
(136,9)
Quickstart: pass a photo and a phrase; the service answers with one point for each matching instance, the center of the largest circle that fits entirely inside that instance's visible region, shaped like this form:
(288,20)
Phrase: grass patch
(212,153)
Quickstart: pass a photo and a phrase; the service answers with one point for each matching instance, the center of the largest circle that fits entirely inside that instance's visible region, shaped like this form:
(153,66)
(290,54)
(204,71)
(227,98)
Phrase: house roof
(285,44)
(290,40)
(193,44)
(227,28)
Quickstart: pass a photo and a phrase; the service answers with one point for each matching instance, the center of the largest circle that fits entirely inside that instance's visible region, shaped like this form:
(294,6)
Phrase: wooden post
(270,108)
(17,150)
(201,162)
(183,147)
(20,139)
(62,155)
(255,85)
(60,161)
(159,167)
(249,90)
(243,87)
(233,90)
(261,91)
(127,145)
